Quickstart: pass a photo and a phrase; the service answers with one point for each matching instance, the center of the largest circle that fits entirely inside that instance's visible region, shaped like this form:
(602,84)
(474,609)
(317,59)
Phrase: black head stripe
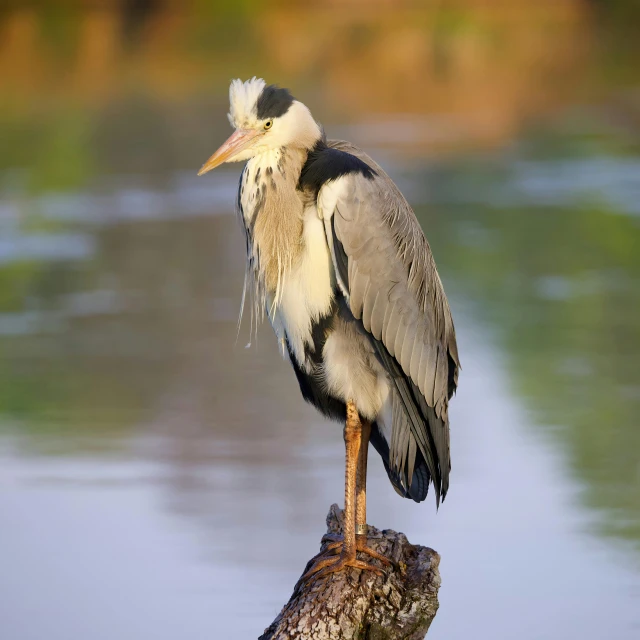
(274,102)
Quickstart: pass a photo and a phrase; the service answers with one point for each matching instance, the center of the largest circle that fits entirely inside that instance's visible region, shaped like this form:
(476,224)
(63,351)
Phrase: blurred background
(161,477)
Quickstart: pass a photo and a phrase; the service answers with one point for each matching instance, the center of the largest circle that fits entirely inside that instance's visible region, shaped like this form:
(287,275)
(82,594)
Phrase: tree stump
(359,605)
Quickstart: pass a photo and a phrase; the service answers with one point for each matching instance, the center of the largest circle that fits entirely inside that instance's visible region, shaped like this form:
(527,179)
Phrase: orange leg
(354,505)
(361,504)
(361,492)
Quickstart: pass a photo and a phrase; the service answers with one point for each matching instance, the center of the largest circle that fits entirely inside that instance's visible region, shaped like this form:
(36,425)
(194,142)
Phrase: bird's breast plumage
(306,294)
(272,213)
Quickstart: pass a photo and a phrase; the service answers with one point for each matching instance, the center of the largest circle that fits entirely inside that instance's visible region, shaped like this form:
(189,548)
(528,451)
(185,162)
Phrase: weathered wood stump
(357,605)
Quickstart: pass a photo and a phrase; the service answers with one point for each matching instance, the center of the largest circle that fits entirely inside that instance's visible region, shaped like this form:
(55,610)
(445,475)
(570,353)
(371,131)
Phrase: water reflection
(156,475)
(133,381)
(558,278)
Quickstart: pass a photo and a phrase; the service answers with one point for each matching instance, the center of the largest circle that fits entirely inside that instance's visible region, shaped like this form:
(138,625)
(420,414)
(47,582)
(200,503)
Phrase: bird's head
(265,117)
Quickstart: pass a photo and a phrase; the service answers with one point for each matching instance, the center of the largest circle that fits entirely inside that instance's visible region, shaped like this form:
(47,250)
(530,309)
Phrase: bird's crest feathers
(243,100)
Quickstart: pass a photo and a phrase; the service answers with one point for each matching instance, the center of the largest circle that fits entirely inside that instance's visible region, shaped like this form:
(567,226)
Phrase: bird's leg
(361,503)
(361,490)
(361,498)
(347,556)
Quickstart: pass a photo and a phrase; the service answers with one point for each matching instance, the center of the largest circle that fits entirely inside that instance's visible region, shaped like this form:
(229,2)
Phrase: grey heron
(339,262)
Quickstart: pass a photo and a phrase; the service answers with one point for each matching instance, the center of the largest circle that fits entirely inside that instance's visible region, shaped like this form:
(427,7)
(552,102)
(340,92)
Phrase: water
(159,473)
(159,476)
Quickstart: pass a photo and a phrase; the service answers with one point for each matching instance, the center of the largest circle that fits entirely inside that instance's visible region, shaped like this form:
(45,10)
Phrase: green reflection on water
(557,287)
(560,290)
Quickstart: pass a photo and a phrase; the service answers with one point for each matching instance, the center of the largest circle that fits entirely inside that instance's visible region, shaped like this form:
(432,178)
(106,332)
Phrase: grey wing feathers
(384,261)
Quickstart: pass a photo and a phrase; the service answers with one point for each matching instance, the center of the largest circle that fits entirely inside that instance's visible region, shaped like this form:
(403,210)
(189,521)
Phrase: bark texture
(357,605)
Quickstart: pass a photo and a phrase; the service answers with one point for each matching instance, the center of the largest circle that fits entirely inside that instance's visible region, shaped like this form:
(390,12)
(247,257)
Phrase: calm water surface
(159,476)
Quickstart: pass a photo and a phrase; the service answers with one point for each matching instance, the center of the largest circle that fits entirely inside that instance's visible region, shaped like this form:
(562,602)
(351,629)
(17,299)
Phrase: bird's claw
(335,542)
(334,563)
(327,561)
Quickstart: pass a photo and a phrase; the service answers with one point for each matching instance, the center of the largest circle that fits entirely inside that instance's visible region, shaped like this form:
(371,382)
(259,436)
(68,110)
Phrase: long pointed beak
(239,140)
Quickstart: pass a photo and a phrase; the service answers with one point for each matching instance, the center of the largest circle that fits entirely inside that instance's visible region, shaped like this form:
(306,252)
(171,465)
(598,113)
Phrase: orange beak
(239,140)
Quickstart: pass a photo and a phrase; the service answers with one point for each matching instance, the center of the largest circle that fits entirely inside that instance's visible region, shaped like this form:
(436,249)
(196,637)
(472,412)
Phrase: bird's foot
(336,541)
(324,565)
(327,561)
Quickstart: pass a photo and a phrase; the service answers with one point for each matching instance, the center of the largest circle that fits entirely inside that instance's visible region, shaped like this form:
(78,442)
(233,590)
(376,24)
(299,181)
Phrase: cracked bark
(356,605)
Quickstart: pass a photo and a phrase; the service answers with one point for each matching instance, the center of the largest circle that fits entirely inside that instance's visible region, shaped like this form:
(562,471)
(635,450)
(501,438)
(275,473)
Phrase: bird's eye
(268,124)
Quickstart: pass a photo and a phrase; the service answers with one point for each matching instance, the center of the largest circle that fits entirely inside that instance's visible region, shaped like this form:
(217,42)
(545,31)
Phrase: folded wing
(386,271)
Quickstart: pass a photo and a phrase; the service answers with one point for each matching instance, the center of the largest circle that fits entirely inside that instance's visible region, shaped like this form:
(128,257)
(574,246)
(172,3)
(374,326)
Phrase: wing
(386,271)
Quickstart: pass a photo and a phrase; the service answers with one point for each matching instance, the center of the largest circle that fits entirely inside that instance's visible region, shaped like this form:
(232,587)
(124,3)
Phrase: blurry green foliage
(55,149)
(64,158)
(16,282)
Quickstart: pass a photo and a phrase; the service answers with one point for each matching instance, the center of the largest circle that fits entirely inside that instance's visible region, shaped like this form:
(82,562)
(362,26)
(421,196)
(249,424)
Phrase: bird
(338,261)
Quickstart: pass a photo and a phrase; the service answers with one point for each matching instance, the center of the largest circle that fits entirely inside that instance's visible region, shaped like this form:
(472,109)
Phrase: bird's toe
(361,545)
(334,558)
